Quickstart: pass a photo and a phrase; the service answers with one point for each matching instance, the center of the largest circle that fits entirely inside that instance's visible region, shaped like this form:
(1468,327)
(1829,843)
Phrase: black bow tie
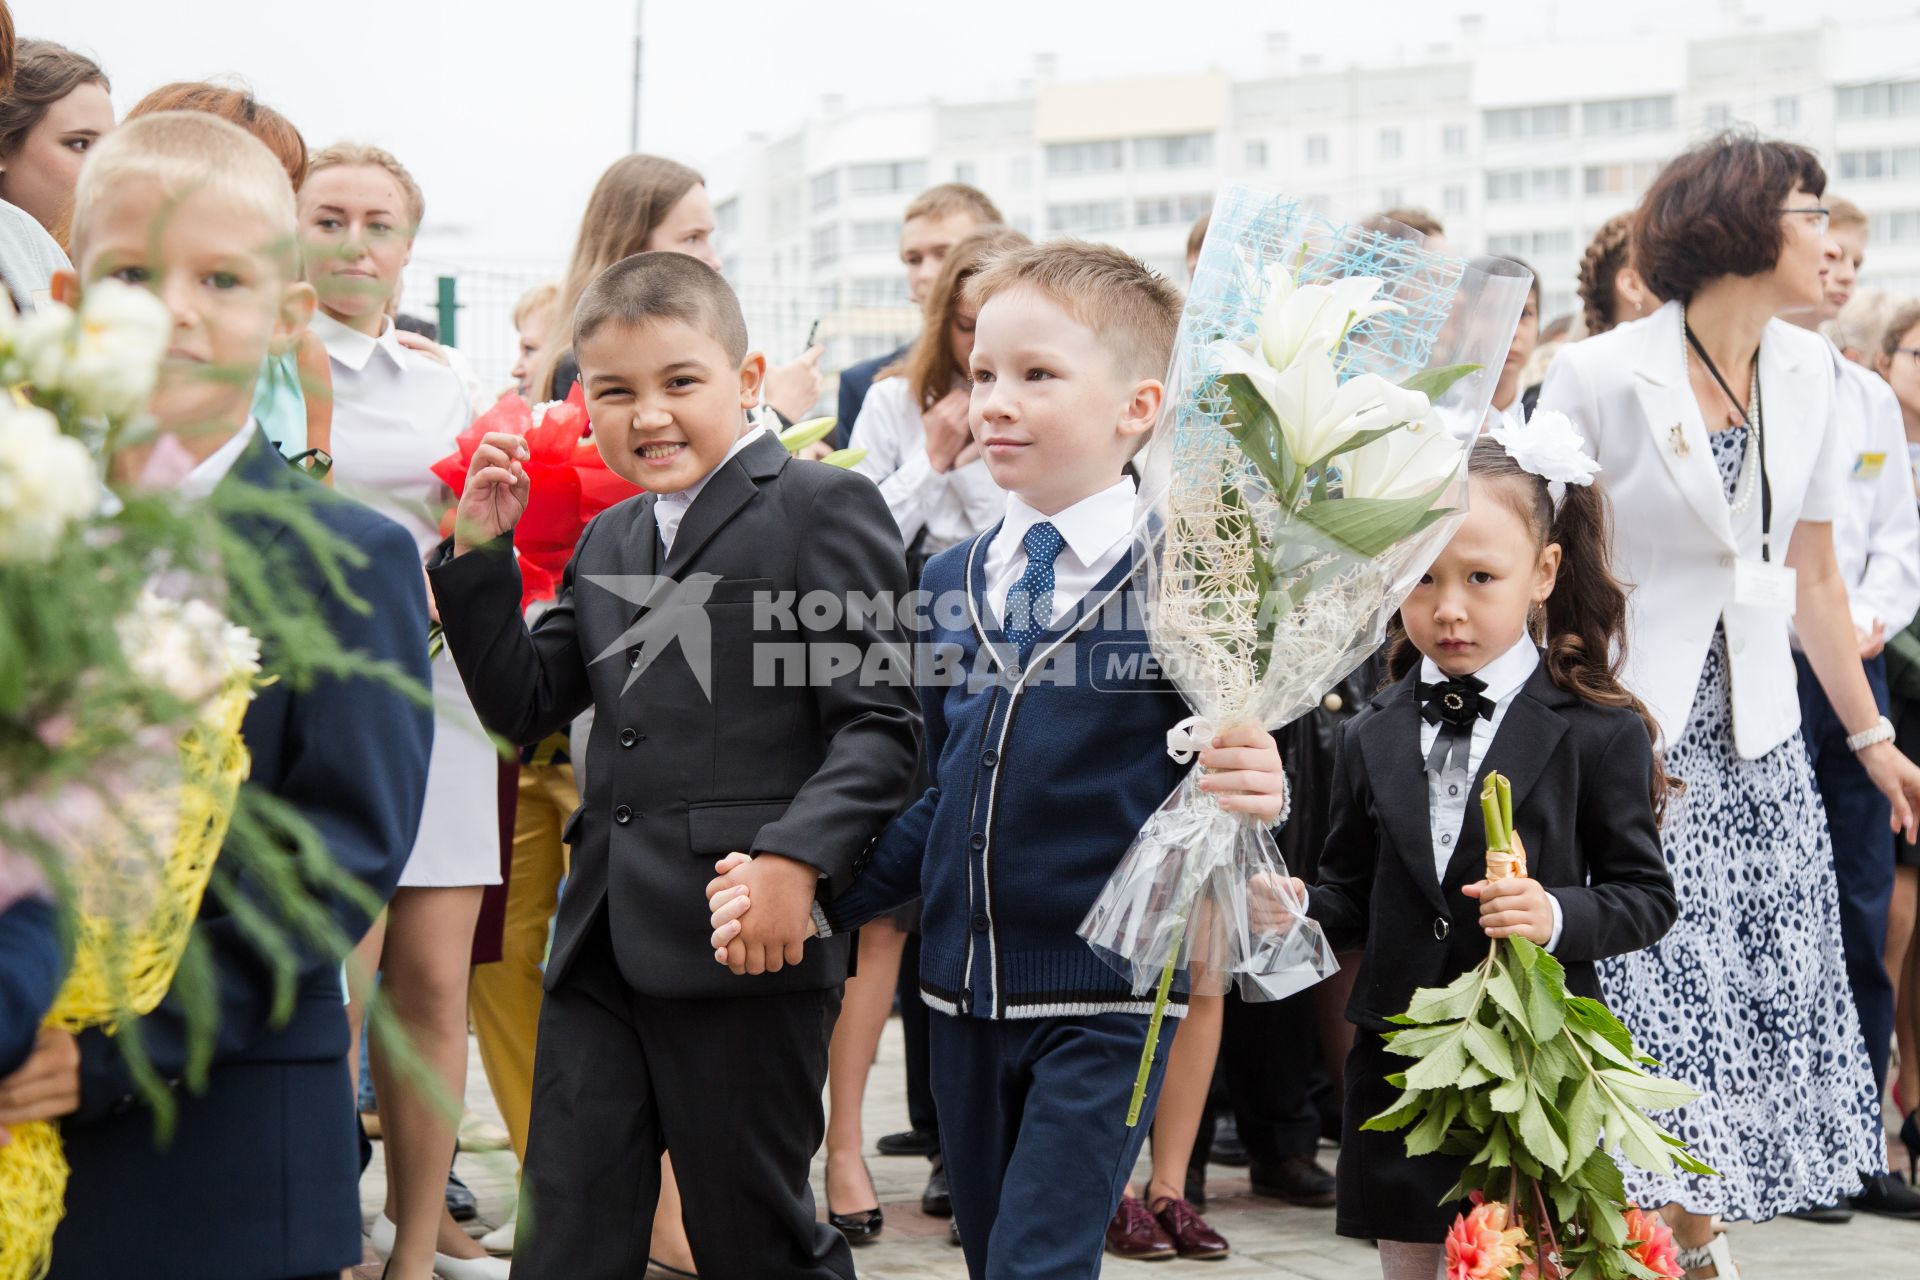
(1453,705)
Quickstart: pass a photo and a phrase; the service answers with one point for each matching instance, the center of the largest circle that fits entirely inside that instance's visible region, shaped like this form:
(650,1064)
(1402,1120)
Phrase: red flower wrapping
(568,484)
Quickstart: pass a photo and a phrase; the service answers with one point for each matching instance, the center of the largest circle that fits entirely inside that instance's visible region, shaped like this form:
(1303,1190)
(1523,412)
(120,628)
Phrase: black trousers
(731,1086)
(1270,1063)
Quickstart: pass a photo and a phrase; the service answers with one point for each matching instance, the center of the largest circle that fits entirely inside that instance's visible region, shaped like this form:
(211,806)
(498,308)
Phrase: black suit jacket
(1581,775)
(677,778)
(252,1184)
(855,381)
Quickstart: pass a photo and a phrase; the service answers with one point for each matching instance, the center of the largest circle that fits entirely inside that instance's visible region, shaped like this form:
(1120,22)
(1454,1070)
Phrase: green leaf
(1546,996)
(1433,383)
(1650,1092)
(1440,1066)
(1604,1047)
(1426,1136)
(1584,1115)
(1602,1176)
(1446,1004)
(1605,1222)
(1417,1042)
(1472,1076)
(1599,1019)
(1639,1140)
(1368,526)
(1497,1153)
(1489,1051)
(1404,1108)
(1507,996)
(1256,431)
(1543,1142)
(1510,1097)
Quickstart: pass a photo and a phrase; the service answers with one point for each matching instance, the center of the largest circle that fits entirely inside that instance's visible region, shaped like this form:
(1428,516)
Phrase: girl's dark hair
(1714,211)
(1606,256)
(1586,616)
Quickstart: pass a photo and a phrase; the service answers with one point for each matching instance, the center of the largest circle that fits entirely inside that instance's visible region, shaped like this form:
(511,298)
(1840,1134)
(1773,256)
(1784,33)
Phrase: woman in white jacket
(1713,423)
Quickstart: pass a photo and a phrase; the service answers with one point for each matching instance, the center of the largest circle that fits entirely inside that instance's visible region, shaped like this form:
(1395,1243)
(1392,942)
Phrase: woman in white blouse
(395,413)
(1714,425)
(920,451)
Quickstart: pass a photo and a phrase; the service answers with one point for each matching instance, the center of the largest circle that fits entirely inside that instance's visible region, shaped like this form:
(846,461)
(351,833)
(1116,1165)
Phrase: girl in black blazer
(1401,874)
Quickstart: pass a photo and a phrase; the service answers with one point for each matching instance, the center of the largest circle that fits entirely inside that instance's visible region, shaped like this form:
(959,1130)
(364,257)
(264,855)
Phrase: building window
(1257,154)
(826,297)
(1453,139)
(1880,164)
(1786,111)
(1389,144)
(825,189)
(823,245)
(1516,124)
(875,235)
(1896,226)
(1627,115)
(1620,179)
(1316,148)
(1186,151)
(1510,186)
(1453,199)
(886,178)
(1870,101)
(1717,115)
(1162,211)
(1087,216)
(726,216)
(964,172)
(1085,157)
(878,291)
(1020,172)
(1392,197)
(1530,244)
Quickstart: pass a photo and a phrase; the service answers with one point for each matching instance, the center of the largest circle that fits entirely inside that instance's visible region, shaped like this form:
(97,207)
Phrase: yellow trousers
(503,998)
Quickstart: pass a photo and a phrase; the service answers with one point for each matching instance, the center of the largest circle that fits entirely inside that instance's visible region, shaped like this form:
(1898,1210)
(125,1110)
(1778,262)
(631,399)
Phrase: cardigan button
(623,815)
(1441,929)
(989,757)
(628,737)
(981,924)
(978,840)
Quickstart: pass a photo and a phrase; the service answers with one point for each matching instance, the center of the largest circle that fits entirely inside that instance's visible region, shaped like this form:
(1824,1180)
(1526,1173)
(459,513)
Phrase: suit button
(1332,702)
(628,737)
(1441,929)
(989,757)
(978,840)
(633,657)
(1446,839)
(623,815)
(980,924)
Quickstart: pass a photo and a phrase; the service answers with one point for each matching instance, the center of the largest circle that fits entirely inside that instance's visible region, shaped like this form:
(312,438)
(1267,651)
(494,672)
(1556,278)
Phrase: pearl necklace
(1749,463)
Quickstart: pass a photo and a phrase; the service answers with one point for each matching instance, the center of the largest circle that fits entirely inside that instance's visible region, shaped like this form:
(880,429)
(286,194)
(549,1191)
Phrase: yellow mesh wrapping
(122,968)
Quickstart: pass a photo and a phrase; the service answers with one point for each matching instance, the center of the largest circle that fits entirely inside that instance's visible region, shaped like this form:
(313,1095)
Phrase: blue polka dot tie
(1030,603)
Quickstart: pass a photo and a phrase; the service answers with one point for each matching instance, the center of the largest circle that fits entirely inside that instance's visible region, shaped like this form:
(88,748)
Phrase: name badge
(1868,466)
(1764,585)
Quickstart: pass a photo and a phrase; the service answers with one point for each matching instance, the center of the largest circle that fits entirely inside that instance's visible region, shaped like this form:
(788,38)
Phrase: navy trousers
(1033,1124)
(1857,816)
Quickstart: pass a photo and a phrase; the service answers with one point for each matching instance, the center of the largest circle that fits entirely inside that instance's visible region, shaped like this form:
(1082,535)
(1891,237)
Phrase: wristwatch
(1882,731)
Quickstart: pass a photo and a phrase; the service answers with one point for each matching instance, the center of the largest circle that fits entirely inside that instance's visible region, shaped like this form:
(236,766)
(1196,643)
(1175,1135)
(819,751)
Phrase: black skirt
(1384,1193)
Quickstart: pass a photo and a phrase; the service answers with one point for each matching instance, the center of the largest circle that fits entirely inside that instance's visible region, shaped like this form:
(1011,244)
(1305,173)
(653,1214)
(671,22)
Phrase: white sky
(507,111)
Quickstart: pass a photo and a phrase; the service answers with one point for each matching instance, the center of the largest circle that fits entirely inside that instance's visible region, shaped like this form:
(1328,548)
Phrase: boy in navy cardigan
(1049,756)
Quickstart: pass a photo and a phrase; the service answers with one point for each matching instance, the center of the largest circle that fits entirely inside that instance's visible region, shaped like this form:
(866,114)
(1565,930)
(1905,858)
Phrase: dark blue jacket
(855,381)
(1042,779)
(31,966)
(260,1178)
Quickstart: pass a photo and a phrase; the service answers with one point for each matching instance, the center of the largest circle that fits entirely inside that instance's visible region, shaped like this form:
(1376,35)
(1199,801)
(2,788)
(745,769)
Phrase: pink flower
(1483,1244)
(1650,1244)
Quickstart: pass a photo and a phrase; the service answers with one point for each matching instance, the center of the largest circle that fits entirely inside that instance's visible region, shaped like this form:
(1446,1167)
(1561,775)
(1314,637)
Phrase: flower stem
(1153,1031)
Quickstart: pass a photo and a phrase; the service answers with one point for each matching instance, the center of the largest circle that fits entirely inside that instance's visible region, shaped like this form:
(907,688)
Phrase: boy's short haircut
(347,154)
(950,198)
(1134,311)
(1197,234)
(537,299)
(649,287)
(187,151)
(1842,212)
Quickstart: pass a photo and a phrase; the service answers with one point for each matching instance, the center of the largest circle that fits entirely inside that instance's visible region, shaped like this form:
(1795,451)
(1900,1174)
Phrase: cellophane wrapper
(1202,887)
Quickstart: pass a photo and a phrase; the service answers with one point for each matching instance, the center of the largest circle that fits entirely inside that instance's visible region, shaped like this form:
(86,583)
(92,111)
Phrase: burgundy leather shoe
(1136,1235)
(1191,1236)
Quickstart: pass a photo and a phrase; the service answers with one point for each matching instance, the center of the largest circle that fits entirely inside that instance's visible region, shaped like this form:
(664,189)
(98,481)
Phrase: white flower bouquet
(1308,467)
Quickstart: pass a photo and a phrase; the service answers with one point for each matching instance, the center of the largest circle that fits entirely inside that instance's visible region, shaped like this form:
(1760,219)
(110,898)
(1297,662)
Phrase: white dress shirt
(1097,531)
(213,468)
(1876,538)
(1449,794)
(670,508)
(950,505)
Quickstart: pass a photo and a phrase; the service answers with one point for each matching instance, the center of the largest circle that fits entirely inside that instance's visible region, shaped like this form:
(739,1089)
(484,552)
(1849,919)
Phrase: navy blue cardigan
(1042,779)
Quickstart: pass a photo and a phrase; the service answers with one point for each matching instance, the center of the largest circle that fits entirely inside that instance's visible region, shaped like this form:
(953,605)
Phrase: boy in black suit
(260,1177)
(699,748)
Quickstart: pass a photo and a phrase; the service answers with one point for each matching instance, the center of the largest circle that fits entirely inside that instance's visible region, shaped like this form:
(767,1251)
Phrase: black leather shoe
(936,1201)
(1228,1149)
(1829,1214)
(460,1201)
(913,1142)
(1296,1179)
(1887,1196)
(953,1234)
(859,1228)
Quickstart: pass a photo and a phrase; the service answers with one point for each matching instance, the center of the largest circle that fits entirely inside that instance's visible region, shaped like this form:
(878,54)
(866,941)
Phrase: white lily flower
(1407,463)
(1299,320)
(1318,414)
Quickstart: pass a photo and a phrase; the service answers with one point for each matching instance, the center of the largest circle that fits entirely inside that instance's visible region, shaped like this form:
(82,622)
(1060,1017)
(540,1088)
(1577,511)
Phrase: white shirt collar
(1090,526)
(213,468)
(671,506)
(353,348)
(1503,677)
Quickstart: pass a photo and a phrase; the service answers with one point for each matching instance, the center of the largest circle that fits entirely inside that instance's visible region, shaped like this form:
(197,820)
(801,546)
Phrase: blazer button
(633,657)
(1332,702)
(981,924)
(989,757)
(1441,929)
(623,815)
(628,737)
(978,840)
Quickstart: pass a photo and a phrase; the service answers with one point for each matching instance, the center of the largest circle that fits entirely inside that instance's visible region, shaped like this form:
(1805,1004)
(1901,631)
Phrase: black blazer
(1581,776)
(254,1183)
(675,778)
